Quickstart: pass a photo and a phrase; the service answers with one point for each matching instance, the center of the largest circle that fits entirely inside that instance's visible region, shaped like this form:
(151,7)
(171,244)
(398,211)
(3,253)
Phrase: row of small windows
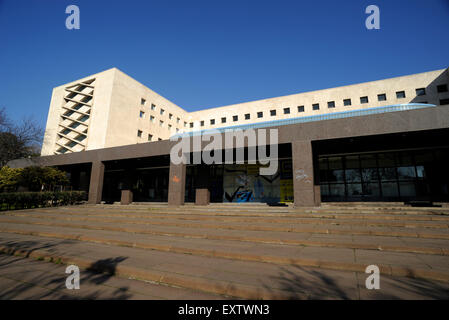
(150,136)
(315,106)
(162,112)
(161,122)
(331,104)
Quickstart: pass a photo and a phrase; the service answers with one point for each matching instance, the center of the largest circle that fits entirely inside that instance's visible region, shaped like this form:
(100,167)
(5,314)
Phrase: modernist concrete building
(383,140)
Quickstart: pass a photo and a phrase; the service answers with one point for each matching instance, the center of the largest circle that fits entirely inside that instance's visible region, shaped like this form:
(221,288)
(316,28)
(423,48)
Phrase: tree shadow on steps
(49,280)
(312,283)
(307,283)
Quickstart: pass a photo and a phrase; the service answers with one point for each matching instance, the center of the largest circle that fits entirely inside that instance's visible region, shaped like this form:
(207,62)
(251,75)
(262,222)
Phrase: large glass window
(395,176)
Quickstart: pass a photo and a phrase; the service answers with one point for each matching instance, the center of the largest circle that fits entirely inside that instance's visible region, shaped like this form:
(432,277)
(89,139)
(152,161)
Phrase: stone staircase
(250,251)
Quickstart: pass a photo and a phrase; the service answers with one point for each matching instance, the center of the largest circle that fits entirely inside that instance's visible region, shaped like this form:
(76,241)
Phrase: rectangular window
(177,120)
(169,127)
(162,111)
(300,108)
(272,113)
(259,114)
(191,124)
(142,101)
(235,118)
(442,88)
(161,123)
(150,137)
(347,102)
(223,120)
(381,97)
(247,116)
(212,121)
(185,124)
(400,94)
(153,107)
(142,114)
(139,133)
(444,101)
(170,116)
(286,110)
(316,106)
(202,123)
(421,92)
(152,118)
(364,99)
(331,104)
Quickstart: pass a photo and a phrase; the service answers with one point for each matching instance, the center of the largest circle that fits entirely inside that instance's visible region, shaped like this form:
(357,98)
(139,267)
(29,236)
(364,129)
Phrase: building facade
(110,109)
(383,140)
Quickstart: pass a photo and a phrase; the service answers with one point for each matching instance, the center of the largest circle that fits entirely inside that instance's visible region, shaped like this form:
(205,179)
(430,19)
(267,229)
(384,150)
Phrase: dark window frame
(400,94)
(442,88)
(382,97)
(420,92)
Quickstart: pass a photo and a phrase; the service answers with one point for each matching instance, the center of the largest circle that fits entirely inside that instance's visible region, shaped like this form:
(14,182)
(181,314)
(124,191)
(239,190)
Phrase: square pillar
(202,197)
(127,197)
(176,184)
(96,182)
(304,190)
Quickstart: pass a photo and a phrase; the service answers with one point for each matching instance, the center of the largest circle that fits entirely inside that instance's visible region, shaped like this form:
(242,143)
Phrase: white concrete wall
(117,104)
(322,97)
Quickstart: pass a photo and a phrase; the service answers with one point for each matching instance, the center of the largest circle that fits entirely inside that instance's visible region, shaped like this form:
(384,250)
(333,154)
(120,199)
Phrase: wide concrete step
(30,279)
(422,225)
(373,242)
(257,225)
(432,220)
(239,215)
(280,210)
(228,277)
(393,244)
(339,258)
(265,207)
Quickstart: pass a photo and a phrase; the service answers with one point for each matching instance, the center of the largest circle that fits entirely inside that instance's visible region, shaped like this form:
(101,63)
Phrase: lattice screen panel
(75,117)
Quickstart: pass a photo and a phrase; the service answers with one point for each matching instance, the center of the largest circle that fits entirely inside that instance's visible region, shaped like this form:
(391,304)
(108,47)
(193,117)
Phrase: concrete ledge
(262,228)
(404,249)
(331,265)
(226,288)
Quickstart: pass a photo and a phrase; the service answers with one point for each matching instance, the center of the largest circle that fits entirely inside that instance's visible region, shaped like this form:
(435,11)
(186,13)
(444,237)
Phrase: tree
(18,140)
(42,178)
(9,178)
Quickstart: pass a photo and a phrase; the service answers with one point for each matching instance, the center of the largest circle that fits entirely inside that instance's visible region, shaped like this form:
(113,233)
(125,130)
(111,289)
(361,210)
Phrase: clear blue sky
(202,54)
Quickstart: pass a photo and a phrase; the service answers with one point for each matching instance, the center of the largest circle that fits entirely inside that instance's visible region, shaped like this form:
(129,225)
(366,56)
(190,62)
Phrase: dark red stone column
(96,182)
(304,192)
(176,184)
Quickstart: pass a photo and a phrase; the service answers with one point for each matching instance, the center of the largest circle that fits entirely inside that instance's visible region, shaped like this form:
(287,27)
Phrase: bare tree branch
(18,140)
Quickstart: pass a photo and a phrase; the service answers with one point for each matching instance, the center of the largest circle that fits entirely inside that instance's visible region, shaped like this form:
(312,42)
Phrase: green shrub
(33,178)
(9,178)
(23,200)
